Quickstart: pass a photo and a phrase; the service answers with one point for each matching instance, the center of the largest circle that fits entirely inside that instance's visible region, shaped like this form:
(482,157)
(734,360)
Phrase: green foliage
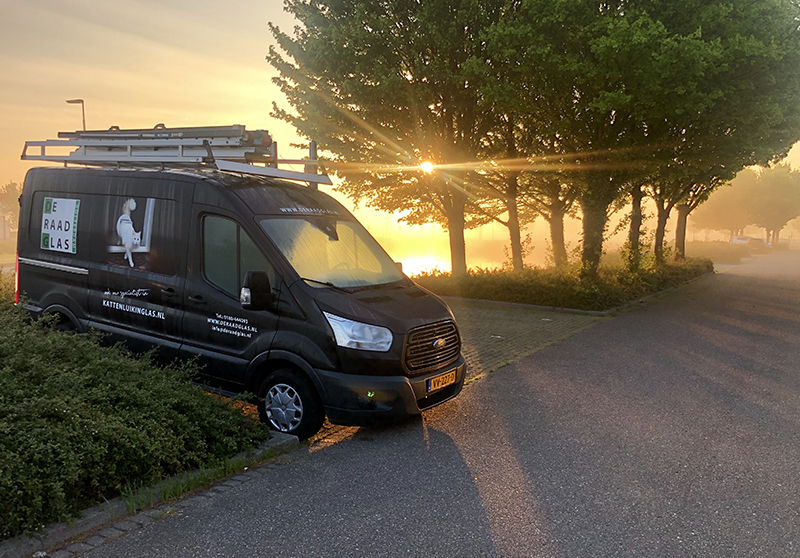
(80,422)
(6,289)
(564,288)
(592,96)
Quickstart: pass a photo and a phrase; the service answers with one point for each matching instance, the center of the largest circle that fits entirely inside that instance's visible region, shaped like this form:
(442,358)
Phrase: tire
(287,402)
(64,324)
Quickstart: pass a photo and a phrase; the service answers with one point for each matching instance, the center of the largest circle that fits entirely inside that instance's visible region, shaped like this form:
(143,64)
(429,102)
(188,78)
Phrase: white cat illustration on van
(127,234)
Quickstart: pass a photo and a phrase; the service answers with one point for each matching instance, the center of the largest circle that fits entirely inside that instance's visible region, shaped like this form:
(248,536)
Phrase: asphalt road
(669,430)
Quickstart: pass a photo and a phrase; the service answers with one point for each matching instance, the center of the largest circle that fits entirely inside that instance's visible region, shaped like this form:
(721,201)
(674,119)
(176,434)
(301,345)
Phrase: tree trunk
(594,205)
(680,232)
(556,222)
(634,255)
(455,229)
(513,222)
(661,227)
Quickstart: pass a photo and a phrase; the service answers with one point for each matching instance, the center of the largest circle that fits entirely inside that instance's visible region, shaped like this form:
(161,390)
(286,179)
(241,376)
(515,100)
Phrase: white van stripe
(57,267)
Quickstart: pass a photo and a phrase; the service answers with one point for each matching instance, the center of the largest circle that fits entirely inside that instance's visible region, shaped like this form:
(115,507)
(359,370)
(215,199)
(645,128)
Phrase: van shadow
(391,490)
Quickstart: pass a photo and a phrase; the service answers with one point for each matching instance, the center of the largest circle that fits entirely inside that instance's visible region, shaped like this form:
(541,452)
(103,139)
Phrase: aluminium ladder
(227,148)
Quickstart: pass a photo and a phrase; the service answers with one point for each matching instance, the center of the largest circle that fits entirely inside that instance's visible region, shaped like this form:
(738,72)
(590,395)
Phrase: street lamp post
(83,109)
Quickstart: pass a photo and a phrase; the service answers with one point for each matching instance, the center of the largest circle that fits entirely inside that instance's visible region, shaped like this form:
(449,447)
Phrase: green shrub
(564,288)
(79,422)
(6,289)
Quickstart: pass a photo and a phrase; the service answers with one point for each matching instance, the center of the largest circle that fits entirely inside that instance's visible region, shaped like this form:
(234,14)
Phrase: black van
(273,286)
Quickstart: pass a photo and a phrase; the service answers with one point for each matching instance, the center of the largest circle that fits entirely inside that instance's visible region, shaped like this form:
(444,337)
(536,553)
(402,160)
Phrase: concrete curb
(113,511)
(598,313)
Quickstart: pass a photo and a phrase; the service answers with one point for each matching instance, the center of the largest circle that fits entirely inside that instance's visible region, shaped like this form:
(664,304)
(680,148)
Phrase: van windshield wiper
(326,283)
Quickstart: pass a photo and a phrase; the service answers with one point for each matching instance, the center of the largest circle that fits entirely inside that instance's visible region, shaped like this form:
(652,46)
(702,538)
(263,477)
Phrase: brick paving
(494,335)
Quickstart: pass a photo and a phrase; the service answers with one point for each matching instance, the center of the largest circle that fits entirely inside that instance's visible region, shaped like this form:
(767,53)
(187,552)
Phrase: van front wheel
(288,403)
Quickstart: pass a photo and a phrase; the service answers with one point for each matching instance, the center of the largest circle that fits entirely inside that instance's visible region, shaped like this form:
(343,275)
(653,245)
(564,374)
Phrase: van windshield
(325,249)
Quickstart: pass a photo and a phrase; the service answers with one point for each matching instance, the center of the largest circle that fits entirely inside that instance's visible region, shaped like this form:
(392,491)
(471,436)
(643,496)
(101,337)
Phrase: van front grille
(431,346)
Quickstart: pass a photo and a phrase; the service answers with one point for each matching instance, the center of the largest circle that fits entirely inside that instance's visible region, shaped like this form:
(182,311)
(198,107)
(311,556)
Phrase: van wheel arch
(288,401)
(65,319)
(270,362)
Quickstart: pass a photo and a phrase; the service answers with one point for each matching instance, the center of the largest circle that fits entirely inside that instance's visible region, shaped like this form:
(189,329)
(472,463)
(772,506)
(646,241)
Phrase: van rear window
(134,232)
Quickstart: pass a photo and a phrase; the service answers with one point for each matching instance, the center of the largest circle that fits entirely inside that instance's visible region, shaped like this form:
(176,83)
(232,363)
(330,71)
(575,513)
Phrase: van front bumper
(356,400)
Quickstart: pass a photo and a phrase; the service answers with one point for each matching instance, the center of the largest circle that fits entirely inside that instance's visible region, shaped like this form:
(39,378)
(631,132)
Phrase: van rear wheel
(288,403)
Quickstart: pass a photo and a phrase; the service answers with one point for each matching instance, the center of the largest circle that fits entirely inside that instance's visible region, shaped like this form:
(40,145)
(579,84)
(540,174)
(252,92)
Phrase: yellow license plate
(441,381)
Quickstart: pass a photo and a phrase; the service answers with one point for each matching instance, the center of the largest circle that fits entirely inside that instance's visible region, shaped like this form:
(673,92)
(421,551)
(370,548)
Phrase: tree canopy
(385,85)
(671,94)
(611,96)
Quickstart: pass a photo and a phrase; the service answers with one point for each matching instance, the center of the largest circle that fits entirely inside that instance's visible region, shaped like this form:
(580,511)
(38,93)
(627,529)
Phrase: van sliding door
(139,259)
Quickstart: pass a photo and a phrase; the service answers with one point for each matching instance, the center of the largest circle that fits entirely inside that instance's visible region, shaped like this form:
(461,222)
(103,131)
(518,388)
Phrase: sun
(427,167)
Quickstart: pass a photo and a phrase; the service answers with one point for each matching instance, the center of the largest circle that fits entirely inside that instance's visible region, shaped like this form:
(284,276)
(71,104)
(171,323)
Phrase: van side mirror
(256,293)
(399,266)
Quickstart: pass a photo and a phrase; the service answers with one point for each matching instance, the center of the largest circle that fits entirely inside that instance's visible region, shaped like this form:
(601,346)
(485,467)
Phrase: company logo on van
(440,344)
(60,225)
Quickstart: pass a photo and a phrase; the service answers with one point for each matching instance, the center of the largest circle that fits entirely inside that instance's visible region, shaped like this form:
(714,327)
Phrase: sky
(182,63)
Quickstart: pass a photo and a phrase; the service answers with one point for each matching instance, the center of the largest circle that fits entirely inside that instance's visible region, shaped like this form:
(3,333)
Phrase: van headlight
(355,335)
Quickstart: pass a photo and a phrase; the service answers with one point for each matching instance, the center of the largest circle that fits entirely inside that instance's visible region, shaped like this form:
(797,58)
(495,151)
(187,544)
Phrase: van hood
(398,307)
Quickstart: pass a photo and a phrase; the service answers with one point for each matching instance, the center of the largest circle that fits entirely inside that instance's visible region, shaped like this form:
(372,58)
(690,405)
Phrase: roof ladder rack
(227,148)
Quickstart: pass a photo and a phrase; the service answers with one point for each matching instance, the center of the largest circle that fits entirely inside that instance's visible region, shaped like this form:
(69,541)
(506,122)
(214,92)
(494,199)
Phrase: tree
(9,205)
(697,194)
(766,197)
(552,197)
(565,58)
(385,85)
(755,118)
(775,200)
(502,181)
(632,252)
(652,89)
(727,208)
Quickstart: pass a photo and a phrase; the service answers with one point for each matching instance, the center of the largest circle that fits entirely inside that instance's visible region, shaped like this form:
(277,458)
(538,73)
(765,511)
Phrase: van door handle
(197,299)
(168,293)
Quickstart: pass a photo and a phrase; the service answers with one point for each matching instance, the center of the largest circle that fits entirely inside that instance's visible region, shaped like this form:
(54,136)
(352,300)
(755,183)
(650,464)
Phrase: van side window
(229,253)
